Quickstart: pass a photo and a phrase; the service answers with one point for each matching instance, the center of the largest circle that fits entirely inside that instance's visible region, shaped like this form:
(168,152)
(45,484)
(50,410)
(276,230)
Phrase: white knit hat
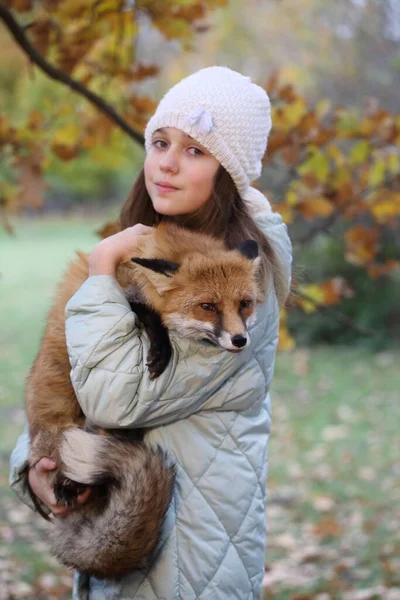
(227,114)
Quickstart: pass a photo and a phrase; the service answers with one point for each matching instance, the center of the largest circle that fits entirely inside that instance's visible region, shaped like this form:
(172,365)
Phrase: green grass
(31,262)
(333,452)
(334,449)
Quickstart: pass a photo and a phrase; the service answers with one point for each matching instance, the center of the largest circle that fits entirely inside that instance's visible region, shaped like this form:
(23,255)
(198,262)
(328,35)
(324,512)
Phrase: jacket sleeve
(108,350)
(273,227)
(19,471)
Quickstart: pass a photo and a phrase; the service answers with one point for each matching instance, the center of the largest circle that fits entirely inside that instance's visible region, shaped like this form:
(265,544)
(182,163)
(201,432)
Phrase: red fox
(179,280)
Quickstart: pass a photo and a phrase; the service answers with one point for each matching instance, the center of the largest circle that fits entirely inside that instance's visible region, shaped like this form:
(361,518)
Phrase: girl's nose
(169,162)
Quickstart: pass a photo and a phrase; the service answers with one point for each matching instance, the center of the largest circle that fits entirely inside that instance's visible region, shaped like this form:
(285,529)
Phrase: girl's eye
(208,306)
(195,151)
(245,304)
(159,143)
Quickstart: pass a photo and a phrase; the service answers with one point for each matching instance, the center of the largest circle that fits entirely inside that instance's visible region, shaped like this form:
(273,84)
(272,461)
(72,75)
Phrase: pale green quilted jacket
(210,411)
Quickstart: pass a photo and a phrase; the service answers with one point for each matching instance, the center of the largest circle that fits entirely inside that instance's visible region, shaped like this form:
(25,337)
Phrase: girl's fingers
(46,464)
(145,230)
(60,510)
(40,487)
(82,498)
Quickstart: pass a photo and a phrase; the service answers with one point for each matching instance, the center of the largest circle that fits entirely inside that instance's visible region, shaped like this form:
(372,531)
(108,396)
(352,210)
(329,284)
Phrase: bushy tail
(116,530)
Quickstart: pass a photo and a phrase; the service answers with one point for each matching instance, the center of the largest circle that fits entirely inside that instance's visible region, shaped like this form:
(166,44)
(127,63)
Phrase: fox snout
(233,343)
(239,341)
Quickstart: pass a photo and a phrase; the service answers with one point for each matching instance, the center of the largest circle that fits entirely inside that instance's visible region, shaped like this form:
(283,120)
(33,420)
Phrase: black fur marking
(159,265)
(218,324)
(160,346)
(249,249)
(127,435)
(67,491)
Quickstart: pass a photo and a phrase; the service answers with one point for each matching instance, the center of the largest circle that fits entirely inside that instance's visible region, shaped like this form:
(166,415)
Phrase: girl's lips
(165,188)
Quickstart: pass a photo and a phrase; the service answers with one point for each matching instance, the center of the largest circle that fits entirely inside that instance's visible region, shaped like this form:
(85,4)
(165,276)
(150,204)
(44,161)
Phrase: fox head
(209,296)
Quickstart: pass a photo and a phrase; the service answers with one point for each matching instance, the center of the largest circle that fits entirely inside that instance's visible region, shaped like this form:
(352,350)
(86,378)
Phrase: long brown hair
(224,215)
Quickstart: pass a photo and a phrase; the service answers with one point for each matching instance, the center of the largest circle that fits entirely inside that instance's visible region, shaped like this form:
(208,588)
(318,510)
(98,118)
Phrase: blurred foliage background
(332,166)
(332,169)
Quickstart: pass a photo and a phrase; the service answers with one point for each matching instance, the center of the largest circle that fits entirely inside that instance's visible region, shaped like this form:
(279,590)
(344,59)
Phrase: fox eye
(245,304)
(208,306)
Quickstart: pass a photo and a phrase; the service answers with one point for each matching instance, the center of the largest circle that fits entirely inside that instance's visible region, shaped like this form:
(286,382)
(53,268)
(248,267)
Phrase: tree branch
(21,39)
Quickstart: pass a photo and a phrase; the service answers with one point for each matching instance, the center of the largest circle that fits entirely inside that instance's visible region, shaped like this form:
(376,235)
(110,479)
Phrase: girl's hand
(116,249)
(40,487)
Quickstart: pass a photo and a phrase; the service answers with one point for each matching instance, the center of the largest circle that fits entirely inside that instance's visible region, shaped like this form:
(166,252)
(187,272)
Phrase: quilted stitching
(187,582)
(197,486)
(197,483)
(247,459)
(198,480)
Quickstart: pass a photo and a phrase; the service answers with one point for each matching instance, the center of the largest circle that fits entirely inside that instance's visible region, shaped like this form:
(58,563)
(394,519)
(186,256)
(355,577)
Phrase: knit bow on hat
(202,118)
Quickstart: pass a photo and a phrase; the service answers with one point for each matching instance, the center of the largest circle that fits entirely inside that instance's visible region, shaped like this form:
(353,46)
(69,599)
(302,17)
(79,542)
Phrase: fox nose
(239,340)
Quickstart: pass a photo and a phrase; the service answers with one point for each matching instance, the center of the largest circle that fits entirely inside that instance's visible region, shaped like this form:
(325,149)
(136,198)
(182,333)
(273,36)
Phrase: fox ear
(159,272)
(159,265)
(249,249)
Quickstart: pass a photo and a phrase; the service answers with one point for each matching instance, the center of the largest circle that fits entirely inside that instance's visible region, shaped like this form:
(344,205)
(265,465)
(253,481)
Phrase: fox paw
(158,359)
(67,491)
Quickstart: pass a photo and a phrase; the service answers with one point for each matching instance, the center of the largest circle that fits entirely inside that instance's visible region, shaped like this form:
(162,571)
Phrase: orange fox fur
(119,526)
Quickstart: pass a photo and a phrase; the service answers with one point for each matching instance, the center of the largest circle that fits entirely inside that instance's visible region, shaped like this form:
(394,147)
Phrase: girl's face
(179,173)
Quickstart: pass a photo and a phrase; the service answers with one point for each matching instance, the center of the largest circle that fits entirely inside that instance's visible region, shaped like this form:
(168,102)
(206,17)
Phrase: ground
(333,519)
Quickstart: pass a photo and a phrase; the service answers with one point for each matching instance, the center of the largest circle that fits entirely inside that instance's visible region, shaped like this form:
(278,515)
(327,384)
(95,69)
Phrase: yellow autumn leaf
(291,198)
(321,206)
(286,213)
(68,135)
(387,207)
(315,206)
(377,172)
(279,120)
(124,27)
(295,112)
(286,341)
(360,152)
(367,127)
(314,297)
(65,142)
(109,6)
(393,163)
(317,164)
(336,154)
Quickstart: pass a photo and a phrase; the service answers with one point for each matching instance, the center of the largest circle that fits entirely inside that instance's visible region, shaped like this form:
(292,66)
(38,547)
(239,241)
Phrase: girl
(210,409)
